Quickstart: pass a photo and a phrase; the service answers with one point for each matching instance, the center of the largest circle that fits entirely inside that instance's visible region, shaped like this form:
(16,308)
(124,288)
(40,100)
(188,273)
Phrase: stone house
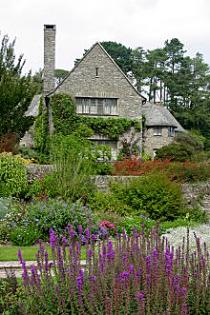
(101,89)
(160,127)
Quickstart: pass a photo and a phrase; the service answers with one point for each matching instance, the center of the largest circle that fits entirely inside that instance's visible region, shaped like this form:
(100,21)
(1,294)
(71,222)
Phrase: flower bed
(130,275)
(179,171)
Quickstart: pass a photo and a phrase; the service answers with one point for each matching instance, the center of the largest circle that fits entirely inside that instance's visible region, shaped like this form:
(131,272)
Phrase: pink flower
(107,224)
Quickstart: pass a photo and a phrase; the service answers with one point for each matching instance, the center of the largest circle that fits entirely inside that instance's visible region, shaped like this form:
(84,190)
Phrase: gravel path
(175,236)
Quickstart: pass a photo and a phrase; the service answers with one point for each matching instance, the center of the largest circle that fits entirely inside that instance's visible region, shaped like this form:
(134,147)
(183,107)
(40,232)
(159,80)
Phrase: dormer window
(171,131)
(97,72)
(157,131)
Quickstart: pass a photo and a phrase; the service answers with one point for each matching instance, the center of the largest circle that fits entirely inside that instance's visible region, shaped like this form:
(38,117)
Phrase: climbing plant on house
(66,121)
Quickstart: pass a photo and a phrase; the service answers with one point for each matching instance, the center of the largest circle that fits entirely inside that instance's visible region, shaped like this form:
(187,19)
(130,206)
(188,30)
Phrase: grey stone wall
(152,142)
(49,58)
(110,83)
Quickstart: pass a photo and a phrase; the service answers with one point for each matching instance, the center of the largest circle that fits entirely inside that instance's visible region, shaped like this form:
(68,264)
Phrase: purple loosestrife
(80,229)
(72,233)
(110,251)
(87,234)
(53,239)
(140,297)
(131,275)
(35,278)
(80,281)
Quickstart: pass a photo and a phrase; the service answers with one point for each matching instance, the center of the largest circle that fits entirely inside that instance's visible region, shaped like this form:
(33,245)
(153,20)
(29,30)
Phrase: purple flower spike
(87,233)
(140,296)
(64,241)
(92,278)
(53,238)
(80,280)
(20,256)
(124,275)
(71,231)
(80,230)
(131,269)
(89,253)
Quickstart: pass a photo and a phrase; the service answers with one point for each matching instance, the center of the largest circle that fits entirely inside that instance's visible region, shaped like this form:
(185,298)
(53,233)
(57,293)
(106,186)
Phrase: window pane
(157,131)
(96,106)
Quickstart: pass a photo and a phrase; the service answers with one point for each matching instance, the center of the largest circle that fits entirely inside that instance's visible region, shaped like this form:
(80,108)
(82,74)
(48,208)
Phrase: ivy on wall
(66,120)
(41,128)
(110,127)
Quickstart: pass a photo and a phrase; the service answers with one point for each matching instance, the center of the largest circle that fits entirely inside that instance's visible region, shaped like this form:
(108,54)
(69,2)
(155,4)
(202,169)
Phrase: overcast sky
(80,23)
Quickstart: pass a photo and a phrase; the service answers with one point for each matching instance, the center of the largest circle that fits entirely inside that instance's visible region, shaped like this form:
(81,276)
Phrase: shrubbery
(25,224)
(154,195)
(13,176)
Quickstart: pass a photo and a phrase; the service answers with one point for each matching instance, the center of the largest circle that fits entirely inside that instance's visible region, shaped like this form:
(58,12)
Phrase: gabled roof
(112,60)
(33,108)
(158,115)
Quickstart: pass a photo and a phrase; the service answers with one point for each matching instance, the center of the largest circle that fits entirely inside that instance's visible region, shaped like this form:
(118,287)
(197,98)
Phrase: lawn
(9,253)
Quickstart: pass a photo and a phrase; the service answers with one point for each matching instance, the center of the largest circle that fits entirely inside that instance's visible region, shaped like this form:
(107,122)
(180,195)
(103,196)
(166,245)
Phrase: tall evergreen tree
(16,91)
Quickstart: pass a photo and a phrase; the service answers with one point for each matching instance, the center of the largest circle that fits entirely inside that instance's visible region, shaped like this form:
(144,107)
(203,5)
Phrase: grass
(9,253)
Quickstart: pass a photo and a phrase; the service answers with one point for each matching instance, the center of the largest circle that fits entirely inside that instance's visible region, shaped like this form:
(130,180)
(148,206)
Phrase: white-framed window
(157,131)
(171,131)
(96,106)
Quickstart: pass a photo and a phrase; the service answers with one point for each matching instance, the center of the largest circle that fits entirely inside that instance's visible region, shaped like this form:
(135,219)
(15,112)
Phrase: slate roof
(112,60)
(158,115)
(33,108)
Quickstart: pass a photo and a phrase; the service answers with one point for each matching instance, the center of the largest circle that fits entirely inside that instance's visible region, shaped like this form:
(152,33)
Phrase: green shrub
(73,166)
(136,222)
(27,223)
(184,148)
(103,168)
(154,194)
(107,202)
(174,152)
(10,294)
(24,235)
(13,176)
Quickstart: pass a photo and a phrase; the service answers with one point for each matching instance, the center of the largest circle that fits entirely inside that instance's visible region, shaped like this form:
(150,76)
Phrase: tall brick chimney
(49,58)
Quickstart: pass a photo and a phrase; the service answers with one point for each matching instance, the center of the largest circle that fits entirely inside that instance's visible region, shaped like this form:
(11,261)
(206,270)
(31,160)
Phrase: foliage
(175,152)
(25,224)
(13,177)
(184,147)
(73,167)
(41,128)
(107,202)
(65,120)
(8,143)
(10,293)
(132,275)
(110,127)
(136,222)
(188,171)
(60,75)
(135,167)
(16,91)
(154,195)
(176,171)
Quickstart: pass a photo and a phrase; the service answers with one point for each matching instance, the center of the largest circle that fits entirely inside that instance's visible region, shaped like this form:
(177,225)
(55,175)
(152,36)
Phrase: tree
(60,74)
(16,91)
(121,55)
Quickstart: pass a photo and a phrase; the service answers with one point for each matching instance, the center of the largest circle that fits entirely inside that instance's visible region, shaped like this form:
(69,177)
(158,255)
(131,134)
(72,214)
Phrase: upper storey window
(171,131)
(96,106)
(157,131)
